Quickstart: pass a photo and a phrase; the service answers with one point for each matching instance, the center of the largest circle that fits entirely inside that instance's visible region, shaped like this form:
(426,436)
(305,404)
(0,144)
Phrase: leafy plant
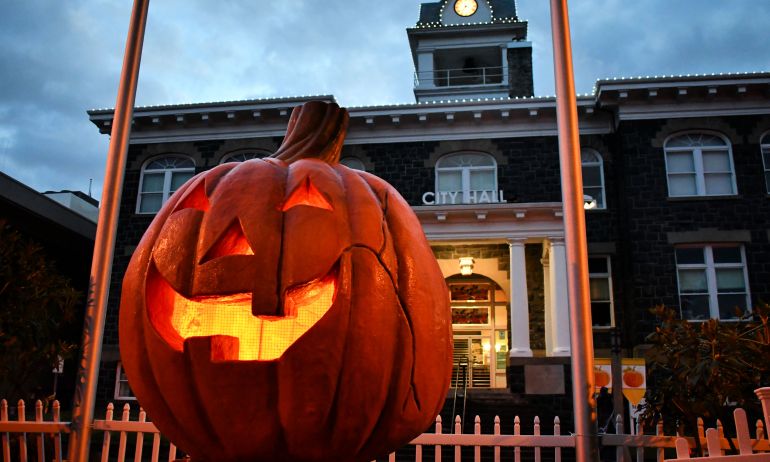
(37,310)
(698,368)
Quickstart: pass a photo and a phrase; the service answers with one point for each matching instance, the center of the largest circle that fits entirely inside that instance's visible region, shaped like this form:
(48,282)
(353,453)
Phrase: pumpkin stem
(316,131)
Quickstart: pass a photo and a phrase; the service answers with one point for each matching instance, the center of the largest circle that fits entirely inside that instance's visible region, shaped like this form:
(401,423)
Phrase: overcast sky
(61,57)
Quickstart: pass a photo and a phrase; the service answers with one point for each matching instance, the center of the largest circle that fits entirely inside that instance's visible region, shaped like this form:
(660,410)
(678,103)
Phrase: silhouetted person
(605,418)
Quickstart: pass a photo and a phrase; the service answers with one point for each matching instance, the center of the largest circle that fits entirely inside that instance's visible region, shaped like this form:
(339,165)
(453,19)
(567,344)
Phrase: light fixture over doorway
(466,266)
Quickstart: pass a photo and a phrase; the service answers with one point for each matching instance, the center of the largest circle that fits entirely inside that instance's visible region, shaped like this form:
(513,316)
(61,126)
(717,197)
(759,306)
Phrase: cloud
(62,58)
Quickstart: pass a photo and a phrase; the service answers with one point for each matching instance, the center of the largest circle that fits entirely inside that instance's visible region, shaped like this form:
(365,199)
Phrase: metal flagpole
(101,265)
(581,334)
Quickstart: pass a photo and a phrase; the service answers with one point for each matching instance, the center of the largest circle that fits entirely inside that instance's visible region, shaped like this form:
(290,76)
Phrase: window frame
(344,160)
(698,165)
(600,165)
(120,377)
(465,174)
(710,268)
(608,277)
(764,151)
(167,177)
(258,154)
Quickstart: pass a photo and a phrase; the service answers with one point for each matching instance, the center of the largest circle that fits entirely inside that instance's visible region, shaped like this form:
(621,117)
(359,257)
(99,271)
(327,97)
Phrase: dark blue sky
(60,58)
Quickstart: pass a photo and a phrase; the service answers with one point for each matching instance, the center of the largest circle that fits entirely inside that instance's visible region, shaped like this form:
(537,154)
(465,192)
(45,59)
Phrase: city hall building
(676,174)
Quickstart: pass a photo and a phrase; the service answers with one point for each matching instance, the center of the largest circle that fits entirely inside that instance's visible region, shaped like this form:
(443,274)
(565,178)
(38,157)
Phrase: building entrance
(480,338)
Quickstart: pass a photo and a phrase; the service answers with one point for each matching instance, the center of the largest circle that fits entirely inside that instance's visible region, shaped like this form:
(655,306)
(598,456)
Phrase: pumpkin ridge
(407,316)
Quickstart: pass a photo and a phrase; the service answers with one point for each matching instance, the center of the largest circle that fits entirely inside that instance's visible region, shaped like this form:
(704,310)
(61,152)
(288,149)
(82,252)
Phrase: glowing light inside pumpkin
(306,194)
(261,338)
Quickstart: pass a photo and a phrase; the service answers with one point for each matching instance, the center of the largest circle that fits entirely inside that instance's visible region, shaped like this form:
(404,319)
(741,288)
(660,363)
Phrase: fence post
(22,417)
(107,434)
(477,431)
(6,443)
(620,450)
(556,432)
(57,437)
(140,437)
(764,395)
(458,431)
(39,443)
(517,431)
(537,433)
(437,448)
(497,432)
(123,435)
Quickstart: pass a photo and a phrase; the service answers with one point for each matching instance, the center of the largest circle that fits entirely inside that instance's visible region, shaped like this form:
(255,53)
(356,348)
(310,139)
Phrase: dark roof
(502,10)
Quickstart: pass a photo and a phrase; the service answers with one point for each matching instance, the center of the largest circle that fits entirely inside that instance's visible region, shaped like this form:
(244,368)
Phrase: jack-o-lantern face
(287,309)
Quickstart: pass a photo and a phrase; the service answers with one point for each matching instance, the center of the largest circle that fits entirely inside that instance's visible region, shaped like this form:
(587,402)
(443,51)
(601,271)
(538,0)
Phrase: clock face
(465,7)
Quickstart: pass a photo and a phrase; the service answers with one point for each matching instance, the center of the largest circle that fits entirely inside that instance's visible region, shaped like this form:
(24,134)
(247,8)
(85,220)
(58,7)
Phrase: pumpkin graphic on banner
(287,309)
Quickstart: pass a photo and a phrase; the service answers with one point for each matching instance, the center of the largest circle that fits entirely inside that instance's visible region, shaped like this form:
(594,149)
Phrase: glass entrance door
(472,365)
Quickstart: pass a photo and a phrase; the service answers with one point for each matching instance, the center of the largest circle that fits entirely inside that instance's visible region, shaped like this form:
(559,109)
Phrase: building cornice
(613,101)
(498,222)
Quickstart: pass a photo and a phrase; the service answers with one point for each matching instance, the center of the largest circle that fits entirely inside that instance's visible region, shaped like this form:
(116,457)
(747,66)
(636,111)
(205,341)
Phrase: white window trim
(354,159)
(166,180)
(711,278)
(608,276)
(600,164)
(697,152)
(764,147)
(117,394)
(259,153)
(466,173)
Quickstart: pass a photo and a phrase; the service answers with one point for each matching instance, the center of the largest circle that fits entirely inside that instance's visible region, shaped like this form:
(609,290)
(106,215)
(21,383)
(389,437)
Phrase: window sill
(704,198)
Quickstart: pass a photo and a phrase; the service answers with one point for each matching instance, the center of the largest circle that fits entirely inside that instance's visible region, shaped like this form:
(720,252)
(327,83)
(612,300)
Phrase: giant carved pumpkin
(287,309)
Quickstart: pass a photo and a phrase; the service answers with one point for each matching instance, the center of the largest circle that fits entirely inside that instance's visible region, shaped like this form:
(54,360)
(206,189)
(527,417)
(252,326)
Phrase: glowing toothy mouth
(262,338)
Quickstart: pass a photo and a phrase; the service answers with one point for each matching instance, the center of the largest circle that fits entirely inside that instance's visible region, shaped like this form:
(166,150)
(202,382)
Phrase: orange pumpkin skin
(364,379)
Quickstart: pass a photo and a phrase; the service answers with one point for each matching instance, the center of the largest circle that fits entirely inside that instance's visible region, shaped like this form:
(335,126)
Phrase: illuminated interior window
(261,338)
(306,194)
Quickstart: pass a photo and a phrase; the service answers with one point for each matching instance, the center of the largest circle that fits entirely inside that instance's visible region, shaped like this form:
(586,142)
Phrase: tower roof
(502,11)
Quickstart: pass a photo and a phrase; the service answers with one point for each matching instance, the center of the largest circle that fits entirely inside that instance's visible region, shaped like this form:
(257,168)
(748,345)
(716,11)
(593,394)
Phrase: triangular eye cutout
(195,199)
(306,194)
(232,242)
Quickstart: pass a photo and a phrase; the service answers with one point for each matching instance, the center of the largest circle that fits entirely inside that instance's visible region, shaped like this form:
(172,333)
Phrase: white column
(519,299)
(545,260)
(559,312)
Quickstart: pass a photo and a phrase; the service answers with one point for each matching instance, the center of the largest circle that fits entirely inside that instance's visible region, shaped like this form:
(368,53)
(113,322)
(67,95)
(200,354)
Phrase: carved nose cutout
(232,242)
(306,194)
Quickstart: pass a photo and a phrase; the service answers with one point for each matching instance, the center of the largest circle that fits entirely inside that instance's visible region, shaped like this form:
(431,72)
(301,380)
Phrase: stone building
(676,177)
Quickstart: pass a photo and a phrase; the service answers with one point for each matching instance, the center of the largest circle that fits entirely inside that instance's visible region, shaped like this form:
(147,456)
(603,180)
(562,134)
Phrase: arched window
(160,178)
(765,143)
(699,164)
(354,163)
(593,176)
(242,156)
(466,178)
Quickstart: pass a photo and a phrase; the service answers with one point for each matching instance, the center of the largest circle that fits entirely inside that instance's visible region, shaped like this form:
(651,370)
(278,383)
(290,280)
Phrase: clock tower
(469,49)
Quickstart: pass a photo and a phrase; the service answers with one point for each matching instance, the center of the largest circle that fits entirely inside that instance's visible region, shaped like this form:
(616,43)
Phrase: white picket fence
(41,440)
